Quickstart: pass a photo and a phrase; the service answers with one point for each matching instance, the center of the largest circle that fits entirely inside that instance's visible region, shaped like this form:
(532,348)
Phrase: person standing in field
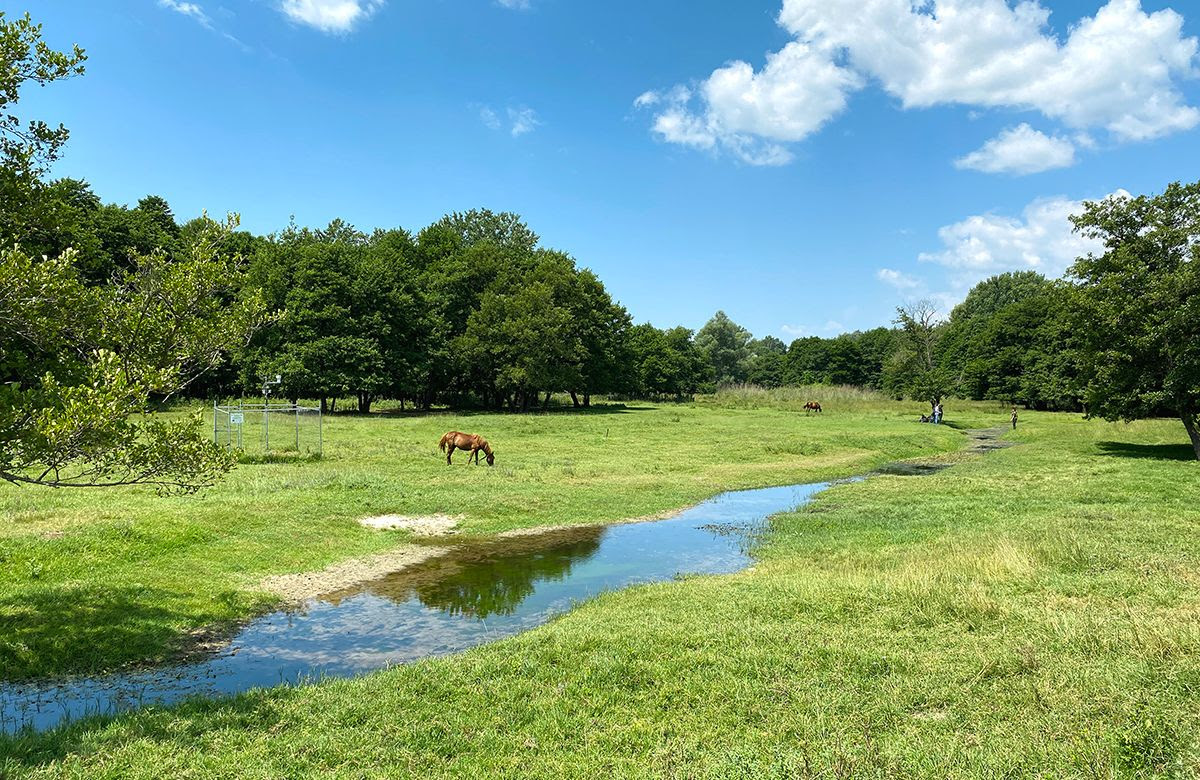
(937,413)
(1014,418)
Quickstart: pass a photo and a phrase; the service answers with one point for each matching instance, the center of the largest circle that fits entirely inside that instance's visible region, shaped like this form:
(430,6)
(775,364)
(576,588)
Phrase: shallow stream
(475,593)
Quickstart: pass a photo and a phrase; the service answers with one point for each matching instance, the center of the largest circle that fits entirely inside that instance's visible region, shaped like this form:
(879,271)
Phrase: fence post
(215,440)
(320,432)
(297,429)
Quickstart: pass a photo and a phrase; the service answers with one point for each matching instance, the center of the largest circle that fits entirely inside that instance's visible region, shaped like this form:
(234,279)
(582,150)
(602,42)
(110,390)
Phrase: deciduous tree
(1138,306)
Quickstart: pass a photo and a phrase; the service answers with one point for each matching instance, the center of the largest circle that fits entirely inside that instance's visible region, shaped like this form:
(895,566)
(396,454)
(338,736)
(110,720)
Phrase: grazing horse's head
(491,456)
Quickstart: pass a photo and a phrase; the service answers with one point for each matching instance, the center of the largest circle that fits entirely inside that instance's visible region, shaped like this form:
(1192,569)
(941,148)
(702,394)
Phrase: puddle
(476,593)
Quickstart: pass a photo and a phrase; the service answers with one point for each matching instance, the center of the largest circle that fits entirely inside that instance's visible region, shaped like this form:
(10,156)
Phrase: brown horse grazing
(812,406)
(470,442)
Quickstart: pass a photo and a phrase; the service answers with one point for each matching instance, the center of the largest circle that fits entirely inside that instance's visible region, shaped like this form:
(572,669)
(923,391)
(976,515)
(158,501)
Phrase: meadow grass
(92,580)
(1031,613)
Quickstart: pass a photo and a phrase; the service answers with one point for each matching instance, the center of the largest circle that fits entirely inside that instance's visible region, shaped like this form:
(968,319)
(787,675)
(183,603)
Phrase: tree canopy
(1138,307)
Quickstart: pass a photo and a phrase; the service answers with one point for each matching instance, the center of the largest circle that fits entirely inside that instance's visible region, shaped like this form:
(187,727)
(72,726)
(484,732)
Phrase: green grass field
(94,579)
(1031,613)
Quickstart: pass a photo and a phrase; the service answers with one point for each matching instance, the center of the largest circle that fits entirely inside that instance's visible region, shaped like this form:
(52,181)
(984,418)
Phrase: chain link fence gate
(261,429)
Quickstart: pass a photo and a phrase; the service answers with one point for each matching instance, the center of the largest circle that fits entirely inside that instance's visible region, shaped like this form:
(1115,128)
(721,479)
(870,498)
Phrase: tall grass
(844,397)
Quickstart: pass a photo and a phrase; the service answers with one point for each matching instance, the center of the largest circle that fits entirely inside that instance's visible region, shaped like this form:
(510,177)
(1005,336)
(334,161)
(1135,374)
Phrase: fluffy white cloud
(330,16)
(1020,150)
(1042,239)
(797,92)
(647,98)
(187,9)
(1117,70)
(516,5)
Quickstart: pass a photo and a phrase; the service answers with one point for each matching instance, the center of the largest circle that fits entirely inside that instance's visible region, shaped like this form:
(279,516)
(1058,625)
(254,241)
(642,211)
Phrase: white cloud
(1042,239)
(187,9)
(330,16)
(518,120)
(745,112)
(1117,70)
(489,118)
(901,281)
(647,98)
(524,120)
(1020,150)
(798,331)
(516,5)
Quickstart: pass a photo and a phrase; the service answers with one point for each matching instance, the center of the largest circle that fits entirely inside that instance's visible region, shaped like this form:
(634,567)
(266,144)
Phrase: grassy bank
(1032,613)
(92,579)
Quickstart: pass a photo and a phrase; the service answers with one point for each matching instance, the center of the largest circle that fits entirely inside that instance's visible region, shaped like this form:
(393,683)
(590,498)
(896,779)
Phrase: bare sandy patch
(306,585)
(428,525)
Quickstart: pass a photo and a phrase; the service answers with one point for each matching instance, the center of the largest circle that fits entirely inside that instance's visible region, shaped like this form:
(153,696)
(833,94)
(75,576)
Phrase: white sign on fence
(237,418)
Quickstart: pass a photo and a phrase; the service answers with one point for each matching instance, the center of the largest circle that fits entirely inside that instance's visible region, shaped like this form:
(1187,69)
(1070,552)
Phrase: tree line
(107,311)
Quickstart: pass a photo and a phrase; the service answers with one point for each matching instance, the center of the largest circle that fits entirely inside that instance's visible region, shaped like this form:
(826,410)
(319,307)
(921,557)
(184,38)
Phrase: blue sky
(805,165)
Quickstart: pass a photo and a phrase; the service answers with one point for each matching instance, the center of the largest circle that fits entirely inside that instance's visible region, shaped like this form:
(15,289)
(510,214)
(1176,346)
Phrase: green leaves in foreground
(83,366)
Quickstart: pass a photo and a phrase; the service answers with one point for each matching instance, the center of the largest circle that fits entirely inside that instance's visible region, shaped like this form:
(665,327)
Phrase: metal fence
(265,428)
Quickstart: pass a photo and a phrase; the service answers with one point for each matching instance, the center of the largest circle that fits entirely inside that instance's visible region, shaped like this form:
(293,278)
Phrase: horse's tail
(445,440)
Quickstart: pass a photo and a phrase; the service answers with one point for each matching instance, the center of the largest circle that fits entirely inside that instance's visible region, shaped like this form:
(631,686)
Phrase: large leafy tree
(83,366)
(989,335)
(667,362)
(727,347)
(1139,306)
(523,337)
(767,358)
(353,321)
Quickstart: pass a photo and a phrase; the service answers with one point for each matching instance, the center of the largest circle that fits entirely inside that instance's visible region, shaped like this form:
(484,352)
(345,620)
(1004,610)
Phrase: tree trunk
(333,404)
(324,405)
(1192,424)
(364,403)
(587,400)
(546,403)
(574,399)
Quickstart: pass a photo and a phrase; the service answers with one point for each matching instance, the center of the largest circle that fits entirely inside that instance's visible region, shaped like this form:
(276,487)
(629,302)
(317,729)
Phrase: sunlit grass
(93,579)
(1030,613)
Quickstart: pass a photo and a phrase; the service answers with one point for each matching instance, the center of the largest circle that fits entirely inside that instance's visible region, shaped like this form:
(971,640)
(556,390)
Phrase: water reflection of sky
(479,593)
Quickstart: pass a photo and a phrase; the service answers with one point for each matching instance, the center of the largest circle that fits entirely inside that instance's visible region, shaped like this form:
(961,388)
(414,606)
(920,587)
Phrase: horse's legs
(475,453)
(449,452)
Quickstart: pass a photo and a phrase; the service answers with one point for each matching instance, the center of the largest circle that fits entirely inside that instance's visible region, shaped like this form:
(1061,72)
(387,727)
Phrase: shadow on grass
(1120,449)
(279,457)
(89,629)
(184,724)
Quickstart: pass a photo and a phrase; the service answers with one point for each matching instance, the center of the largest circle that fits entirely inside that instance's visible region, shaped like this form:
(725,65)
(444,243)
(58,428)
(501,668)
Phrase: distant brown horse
(812,406)
(470,442)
